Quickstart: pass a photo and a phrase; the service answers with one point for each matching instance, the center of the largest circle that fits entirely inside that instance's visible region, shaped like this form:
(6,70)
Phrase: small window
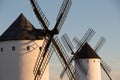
(87,61)
(40,48)
(13,48)
(1,49)
(28,47)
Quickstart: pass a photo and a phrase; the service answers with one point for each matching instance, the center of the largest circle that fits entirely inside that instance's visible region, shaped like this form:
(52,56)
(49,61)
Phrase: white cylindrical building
(19,47)
(87,64)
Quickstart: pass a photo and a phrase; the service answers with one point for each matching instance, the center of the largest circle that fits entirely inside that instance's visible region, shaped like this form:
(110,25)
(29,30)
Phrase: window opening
(28,47)
(13,48)
(1,49)
(40,48)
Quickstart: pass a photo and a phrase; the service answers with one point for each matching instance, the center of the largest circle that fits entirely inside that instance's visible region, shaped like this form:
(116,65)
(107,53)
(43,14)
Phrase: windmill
(83,69)
(51,42)
(68,45)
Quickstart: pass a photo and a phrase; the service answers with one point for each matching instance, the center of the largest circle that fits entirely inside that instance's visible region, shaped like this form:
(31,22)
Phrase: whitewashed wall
(18,64)
(93,69)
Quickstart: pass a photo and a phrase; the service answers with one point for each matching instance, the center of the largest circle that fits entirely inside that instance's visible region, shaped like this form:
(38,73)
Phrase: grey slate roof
(21,29)
(87,52)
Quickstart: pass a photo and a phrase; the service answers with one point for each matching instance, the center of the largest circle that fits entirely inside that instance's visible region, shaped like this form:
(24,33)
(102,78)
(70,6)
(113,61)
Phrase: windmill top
(87,52)
(21,29)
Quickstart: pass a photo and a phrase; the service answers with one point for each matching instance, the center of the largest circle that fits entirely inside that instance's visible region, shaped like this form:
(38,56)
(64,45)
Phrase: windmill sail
(62,15)
(99,44)
(104,66)
(82,68)
(40,15)
(64,58)
(67,43)
(39,70)
(77,42)
(106,71)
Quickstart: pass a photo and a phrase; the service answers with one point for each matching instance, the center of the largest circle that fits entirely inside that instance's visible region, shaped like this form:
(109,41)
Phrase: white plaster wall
(19,64)
(93,69)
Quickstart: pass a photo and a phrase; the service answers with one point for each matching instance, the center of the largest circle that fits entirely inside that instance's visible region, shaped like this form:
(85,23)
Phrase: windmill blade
(62,9)
(64,58)
(62,15)
(106,67)
(63,72)
(106,71)
(40,15)
(43,58)
(67,43)
(39,70)
(81,67)
(77,42)
(86,38)
(99,44)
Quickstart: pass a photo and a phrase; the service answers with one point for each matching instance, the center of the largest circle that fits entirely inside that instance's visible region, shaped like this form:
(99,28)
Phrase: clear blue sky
(101,15)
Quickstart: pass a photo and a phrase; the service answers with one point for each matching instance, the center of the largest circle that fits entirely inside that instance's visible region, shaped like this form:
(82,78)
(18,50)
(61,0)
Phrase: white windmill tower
(19,46)
(91,62)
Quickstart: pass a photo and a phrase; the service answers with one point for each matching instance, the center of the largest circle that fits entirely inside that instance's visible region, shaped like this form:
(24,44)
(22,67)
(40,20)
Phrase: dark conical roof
(87,52)
(21,29)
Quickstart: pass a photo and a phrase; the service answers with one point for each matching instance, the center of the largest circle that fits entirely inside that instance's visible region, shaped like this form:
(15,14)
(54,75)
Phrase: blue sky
(101,15)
